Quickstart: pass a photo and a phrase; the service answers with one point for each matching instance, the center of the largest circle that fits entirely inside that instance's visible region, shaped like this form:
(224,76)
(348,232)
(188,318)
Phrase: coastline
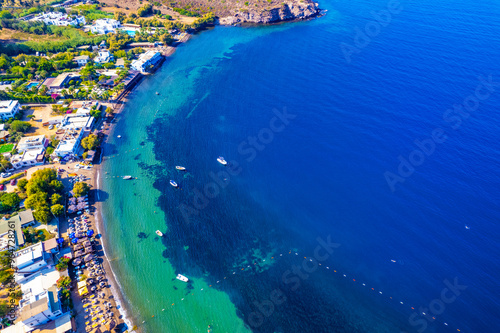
(115,286)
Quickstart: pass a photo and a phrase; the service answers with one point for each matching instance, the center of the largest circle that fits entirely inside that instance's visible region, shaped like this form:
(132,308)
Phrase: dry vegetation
(220,8)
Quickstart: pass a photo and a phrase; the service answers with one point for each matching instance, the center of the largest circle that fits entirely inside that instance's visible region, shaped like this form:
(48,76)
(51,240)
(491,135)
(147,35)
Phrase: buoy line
(332,269)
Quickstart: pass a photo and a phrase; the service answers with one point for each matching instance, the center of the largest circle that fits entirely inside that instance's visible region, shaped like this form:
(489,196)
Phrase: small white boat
(181,168)
(118,136)
(127,177)
(221,160)
(174,184)
(159,233)
(182,278)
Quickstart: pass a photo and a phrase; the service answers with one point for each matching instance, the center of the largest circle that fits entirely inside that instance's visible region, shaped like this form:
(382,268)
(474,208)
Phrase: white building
(28,158)
(104,26)
(59,19)
(8,109)
(146,60)
(81,60)
(77,126)
(40,303)
(32,142)
(103,57)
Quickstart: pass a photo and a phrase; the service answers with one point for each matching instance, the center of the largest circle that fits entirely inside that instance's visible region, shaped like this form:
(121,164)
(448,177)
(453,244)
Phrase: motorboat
(180,168)
(174,184)
(127,177)
(221,160)
(159,233)
(182,278)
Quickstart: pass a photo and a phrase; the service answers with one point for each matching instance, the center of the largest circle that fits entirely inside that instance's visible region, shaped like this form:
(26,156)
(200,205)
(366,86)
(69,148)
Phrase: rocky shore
(288,11)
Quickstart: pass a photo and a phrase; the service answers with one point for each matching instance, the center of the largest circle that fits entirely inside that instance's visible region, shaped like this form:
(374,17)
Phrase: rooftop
(34,308)
(82,57)
(59,325)
(7,105)
(26,216)
(31,140)
(28,255)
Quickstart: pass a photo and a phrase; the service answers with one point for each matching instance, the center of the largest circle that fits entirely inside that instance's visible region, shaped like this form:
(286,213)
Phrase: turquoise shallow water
(317,174)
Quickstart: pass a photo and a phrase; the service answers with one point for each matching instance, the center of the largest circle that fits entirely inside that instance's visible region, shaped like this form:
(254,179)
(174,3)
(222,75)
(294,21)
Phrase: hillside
(229,11)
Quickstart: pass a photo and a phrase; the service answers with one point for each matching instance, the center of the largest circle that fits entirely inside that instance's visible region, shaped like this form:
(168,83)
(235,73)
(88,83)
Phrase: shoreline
(115,286)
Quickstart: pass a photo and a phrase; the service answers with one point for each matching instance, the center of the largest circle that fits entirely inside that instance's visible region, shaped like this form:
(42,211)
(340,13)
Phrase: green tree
(21,184)
(62,264)
(19,126)
(36,185)
(38,199)
(56,198)
(56,185)
(80,189)
(95,113)
(46,174)
(42,214)
(10,201)
(57,209)
(91,142)
(64,282)
(88,72)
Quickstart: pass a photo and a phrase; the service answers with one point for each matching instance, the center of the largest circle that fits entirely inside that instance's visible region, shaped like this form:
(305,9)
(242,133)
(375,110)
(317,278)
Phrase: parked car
(5,174)
(2,187)
(13,182)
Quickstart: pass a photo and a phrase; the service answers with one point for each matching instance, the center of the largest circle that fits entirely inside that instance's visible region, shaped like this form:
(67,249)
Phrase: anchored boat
(159,233)
(182,278)
(181,168)
(127,177)
(174,184)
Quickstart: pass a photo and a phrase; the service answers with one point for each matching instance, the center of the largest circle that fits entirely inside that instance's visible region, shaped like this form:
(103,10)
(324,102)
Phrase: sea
(361,192)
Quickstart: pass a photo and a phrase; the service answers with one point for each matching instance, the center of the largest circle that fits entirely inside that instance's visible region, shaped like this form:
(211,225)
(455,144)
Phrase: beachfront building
(81,60)
(59,19)
(32,142)
(146,61)
(76,126)
(69,144)
(103,57)
(40,303)
(104,26)
(8,109)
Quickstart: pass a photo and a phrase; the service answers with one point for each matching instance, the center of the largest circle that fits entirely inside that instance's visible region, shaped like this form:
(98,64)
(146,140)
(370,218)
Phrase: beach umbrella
(72,201)
(72,235)
(81,199)
(60,240)
(72,208)
(90,233)
(80,206)
(74,240)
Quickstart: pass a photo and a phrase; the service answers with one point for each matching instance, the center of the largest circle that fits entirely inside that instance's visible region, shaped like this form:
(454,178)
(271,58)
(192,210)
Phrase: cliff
(289,10)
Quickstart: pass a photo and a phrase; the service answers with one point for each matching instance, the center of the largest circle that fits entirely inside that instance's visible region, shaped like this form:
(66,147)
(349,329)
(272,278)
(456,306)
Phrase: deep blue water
(323,172)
